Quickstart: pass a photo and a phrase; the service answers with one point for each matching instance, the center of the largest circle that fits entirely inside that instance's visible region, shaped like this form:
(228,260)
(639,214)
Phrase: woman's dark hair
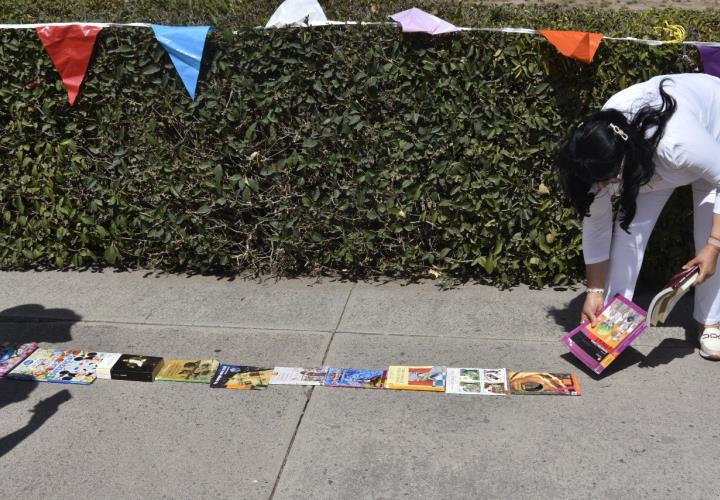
(605,141)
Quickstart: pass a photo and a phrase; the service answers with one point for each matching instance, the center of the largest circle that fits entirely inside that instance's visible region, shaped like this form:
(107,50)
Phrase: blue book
(357,378)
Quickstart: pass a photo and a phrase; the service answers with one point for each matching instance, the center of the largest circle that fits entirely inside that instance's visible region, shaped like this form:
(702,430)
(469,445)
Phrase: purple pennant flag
(418,21)
(710,57)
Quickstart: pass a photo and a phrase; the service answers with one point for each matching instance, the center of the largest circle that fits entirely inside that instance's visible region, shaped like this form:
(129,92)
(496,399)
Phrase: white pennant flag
(297,13)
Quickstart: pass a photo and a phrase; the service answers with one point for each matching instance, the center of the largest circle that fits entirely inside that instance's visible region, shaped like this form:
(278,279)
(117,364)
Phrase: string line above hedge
(522,31)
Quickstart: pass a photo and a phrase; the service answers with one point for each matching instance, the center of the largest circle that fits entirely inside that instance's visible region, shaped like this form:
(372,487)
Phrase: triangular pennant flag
(297,12)
(70,49)
(575,44)
(418,21)
(710,57)
(185,44)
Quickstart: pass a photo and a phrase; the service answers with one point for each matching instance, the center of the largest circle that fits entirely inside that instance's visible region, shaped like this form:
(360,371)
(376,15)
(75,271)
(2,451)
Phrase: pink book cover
(12,355)
(619,323)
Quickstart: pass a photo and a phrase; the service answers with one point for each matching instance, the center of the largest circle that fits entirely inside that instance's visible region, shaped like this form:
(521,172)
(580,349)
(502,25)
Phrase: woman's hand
(593,303)
(706,260)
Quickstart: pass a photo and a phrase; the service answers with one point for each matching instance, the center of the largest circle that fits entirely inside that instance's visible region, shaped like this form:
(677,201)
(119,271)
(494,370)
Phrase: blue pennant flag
(185,44)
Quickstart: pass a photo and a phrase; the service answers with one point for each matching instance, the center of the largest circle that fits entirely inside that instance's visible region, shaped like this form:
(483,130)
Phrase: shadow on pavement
(40,413)
(629,357)
(32,323)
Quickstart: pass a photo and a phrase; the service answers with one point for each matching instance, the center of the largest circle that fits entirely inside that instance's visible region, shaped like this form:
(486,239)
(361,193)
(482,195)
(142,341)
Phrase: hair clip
(580,124)
(618,131)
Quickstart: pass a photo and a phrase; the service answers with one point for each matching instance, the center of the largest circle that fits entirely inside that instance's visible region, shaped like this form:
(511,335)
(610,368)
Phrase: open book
(666,299)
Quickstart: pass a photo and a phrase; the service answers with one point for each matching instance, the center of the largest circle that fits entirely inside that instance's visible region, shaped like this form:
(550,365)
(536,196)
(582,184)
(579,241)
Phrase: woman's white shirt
(689,149)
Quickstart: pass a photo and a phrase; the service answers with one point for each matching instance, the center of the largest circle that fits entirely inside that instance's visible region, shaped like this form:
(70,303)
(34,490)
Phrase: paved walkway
(647,429)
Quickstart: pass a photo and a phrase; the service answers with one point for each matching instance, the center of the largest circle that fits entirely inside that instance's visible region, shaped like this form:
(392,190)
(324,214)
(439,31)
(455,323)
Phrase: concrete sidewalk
(646,429)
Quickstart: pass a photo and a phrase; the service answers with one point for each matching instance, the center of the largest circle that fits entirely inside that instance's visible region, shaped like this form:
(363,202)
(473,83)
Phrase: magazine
(618,324)
(665,300)
(198,371)
(357,378)
(544,383)
(241,377)
(65,367)
(12,355)
(284,375)
(488,382)
(416,378)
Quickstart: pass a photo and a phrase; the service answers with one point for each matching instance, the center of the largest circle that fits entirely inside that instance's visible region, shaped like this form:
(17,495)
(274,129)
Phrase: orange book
(559,384)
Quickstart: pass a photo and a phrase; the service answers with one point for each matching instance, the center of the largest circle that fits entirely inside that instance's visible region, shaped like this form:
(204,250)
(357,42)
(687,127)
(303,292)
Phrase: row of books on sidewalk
(70,366)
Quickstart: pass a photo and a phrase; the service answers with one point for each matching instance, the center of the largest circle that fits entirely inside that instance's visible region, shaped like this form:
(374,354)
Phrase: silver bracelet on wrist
(601,291)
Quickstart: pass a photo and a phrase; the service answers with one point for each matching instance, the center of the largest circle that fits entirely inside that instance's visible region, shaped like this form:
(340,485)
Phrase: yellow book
(416,378)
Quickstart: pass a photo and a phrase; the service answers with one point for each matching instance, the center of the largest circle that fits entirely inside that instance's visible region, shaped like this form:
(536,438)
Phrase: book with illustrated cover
(416,378)
(488,382)
(618,324)
(198,371)
(136,367)
(38,365)
(12,355)
(79,368)
(241,377)
(284,375)
(665,300)
(554,384)
(356,378)
(65,367)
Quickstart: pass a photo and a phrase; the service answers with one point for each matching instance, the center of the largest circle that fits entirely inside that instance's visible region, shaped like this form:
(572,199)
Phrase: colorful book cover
(487,382)
(79,368)
(38,365)
(12,355)
(357,378)
(198,371)
(66,367)
(241,377)
(106,363)
(136,367)
(556,384)
(416,378)
(284,375)
(618,324)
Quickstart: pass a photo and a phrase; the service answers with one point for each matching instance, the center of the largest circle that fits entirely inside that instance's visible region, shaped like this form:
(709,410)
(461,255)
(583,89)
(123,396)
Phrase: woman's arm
(594,301)
(706,259)
(597,238)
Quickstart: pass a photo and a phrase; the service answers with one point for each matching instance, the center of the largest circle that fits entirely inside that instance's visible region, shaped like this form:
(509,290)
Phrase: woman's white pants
(627,250)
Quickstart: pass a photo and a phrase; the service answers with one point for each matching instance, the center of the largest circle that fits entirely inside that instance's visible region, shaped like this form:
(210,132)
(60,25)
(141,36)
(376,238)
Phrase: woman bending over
(647,140)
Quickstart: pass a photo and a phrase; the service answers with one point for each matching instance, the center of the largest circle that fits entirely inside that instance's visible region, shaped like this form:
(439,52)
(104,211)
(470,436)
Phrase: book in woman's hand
(666,299)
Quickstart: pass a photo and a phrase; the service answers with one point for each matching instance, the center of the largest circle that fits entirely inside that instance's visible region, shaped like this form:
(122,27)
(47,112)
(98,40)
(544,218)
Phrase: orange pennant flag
(70,48)
(576,44)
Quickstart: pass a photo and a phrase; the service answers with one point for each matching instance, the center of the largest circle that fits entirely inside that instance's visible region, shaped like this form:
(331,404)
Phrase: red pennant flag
(576,44)
(70,48)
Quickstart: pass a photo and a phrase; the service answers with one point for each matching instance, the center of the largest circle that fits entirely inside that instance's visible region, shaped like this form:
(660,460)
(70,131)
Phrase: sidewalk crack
(309,397)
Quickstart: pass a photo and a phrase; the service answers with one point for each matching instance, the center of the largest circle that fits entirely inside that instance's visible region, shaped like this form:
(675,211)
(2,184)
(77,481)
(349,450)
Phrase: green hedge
(348,150)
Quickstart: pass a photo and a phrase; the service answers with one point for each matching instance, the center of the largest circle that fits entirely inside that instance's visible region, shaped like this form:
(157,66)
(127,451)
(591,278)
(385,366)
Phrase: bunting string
(519,31)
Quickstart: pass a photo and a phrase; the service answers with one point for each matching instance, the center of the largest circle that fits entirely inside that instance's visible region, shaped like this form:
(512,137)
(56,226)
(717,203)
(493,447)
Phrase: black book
(138,368)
